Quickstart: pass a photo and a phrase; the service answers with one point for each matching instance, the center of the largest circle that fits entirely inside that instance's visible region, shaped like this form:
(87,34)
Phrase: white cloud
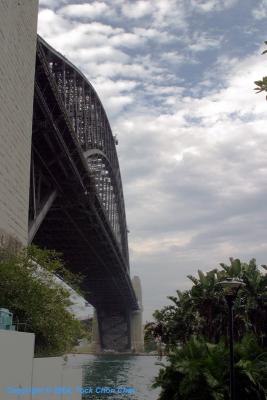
(137,9)
(52,3)
(115,95)
(154,246)
(168,91)
(47,3)
(98,54)
(86,10)
(160,13)
(115,104)
(98,27)
(115,69)
(201,42)
(212,5)
(260,11)
(129,40)
(107,87)
(157,35)
(174,57)
(50,24)
(188,150)
(170,13)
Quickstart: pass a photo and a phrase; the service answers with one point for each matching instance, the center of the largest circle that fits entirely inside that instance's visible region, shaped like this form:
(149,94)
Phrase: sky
(176,79)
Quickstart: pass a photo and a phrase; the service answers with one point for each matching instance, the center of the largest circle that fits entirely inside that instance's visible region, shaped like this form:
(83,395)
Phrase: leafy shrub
(29,290)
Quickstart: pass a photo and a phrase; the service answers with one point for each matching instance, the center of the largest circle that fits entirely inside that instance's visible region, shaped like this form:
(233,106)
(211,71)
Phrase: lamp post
(230,288)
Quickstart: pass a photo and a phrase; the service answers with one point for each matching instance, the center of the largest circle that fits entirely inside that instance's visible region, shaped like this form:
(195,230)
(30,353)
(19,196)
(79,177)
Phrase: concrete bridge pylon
(137,333)
(120,331)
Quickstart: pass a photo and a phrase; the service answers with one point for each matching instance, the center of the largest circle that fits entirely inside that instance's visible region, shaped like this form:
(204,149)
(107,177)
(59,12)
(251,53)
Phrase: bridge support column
(137,333)
(120,330)
(114,330)
(96,345)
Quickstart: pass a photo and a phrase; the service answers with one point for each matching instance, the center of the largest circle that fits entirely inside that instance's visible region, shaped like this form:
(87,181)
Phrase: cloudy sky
(176,79)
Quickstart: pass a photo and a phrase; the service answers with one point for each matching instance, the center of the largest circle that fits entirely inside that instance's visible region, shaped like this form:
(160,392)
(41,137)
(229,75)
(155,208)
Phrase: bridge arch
(106,187)
(94,135)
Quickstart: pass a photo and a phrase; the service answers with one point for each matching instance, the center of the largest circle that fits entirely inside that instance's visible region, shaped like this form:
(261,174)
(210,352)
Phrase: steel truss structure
(76,196)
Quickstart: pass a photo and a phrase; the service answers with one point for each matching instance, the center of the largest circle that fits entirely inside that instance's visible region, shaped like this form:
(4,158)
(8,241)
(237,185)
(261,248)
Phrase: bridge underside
(66,214)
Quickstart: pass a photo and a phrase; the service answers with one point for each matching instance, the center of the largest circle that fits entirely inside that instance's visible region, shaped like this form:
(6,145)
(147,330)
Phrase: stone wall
(18,27)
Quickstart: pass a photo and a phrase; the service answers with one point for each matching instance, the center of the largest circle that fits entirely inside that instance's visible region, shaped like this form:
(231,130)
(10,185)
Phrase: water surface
(114,371)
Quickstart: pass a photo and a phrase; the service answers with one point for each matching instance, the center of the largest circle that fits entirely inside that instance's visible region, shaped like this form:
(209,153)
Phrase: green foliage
(194,329)
(87,324)
(28,289)
(262,84)
(200,370)
(149,339)
(52,261)
(202,310)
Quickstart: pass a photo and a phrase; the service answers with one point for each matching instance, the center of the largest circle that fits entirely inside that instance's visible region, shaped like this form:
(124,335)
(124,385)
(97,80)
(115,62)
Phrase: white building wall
(18,25)
(19,370)
(51,373)
(72,377)
(16,355)
(47,373)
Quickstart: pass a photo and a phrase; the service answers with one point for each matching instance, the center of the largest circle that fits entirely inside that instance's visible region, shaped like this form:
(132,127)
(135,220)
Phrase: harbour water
(113,371)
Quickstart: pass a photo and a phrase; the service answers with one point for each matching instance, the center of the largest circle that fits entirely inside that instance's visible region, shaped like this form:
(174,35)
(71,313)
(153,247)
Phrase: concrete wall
(51,373)
(18,25)
(72,377)
(47,372)
(19,370)
(16,356)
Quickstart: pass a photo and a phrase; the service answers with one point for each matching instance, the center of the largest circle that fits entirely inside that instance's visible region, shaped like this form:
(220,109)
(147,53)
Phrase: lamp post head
(230,287)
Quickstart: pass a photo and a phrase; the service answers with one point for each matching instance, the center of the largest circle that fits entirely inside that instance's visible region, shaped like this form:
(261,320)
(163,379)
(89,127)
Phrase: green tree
(194,328)
(149,339)
(29,290)
(202,310)
(200,371)
(262,84)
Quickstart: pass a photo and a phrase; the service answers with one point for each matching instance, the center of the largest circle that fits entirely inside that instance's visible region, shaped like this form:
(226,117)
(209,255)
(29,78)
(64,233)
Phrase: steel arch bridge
(76,196)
